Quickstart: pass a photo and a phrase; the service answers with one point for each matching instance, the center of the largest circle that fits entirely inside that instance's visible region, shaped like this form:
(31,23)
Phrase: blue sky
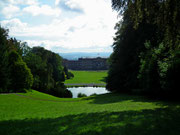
(61,25)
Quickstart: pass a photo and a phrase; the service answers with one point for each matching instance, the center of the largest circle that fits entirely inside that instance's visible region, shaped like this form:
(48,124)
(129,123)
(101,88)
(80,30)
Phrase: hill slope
(37,113)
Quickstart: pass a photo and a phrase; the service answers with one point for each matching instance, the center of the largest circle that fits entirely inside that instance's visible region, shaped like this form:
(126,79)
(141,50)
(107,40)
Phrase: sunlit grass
(88,77)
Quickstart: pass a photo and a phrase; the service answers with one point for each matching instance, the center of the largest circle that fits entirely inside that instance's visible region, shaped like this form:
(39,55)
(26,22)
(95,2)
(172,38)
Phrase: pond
(87,90)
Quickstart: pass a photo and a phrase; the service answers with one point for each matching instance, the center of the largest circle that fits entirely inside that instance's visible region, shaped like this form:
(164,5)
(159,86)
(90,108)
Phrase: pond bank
(87,91)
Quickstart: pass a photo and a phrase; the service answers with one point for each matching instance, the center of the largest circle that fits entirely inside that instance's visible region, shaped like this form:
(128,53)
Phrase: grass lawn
(35,113)
(87,77)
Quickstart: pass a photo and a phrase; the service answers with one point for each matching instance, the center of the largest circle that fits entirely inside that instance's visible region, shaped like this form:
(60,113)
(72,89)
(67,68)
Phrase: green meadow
(97,77)
(36,113)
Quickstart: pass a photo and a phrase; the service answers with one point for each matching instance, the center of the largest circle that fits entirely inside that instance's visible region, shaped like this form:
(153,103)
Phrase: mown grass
(108,114)
(87,77)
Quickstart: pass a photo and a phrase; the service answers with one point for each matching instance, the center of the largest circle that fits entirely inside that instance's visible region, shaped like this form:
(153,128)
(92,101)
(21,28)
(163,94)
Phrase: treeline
(23,68)
(146,48)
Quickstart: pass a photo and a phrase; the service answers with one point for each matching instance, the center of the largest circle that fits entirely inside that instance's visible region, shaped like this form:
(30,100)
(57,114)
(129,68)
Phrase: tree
(38,69)
(56,62)
(4,80)
(20,75)
(14,73)
(146,46)
(124,61)
(45,66)
(47,69)
(66,72)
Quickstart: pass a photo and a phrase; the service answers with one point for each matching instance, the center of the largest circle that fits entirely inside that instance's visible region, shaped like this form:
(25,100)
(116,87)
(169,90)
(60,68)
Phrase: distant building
(86,64)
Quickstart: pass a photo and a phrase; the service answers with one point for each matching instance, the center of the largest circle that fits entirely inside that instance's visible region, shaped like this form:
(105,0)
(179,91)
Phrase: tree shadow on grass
(109,98)
(103,79)
(162,121)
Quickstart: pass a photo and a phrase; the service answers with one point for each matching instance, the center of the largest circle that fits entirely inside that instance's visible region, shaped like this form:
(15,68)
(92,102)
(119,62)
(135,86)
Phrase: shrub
(94,94)
(61,91)
(70,75)
(81,95)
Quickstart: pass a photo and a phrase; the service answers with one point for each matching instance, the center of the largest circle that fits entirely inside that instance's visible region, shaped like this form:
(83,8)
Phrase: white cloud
(42,10)
(11,8)
(74,4)
(93,30)
(21,2)
(26,2)
(14,25)
(10,11)
(92,7)
(57,2)
(57,47)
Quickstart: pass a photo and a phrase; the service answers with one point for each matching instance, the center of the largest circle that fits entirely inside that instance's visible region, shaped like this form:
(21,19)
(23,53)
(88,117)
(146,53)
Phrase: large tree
(146,46)
(4,80)
(19,74)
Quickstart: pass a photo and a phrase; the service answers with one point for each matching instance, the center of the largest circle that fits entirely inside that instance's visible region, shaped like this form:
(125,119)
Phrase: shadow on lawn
(115,97)
(109,98)
(103,79)
(164,121)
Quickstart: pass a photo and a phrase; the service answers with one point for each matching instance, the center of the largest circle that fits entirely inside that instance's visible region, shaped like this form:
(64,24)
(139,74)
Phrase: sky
(61,25)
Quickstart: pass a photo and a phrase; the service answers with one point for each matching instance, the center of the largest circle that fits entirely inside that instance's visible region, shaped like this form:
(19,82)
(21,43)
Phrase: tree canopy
(146,47)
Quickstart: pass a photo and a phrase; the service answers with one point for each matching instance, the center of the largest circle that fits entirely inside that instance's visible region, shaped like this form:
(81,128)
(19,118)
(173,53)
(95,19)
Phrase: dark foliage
(19,74)
(81,95)
(15,76)
(4,80)
(146,47)
(60,91)
(48,72)
(68,75)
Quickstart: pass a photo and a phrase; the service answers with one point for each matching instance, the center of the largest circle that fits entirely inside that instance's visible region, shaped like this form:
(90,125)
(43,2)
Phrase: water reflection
(87,90)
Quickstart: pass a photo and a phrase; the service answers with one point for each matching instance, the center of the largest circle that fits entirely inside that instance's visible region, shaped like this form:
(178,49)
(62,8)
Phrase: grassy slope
(107,114)
(88,77)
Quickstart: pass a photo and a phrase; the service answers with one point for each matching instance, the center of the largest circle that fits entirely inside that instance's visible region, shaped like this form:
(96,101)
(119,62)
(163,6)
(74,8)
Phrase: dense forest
(23,68)
(146,48)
